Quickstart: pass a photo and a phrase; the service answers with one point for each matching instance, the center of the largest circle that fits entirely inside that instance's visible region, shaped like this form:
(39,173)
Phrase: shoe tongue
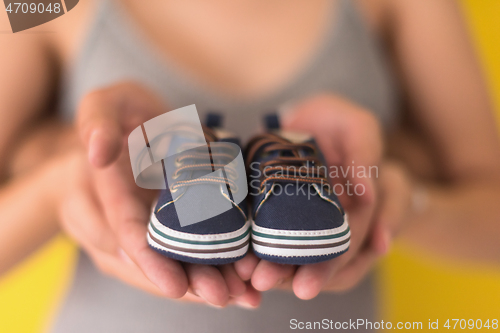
(294,137)
(226,136)
(178,142)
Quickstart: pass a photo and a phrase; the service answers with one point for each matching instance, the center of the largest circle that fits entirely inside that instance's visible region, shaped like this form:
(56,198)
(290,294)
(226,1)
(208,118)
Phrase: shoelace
(217,151)
(293,168)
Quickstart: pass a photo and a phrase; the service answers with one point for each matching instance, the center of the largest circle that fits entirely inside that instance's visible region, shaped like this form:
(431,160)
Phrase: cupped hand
(349,137)
(107,213)
(395,195)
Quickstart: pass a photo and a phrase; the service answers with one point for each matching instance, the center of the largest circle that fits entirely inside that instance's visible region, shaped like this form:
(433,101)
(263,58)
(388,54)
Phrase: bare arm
(26,216)
(452,110)
(27,71)
(28,213)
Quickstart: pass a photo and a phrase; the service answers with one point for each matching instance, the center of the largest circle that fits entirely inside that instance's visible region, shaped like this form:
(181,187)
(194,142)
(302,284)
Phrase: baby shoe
(201,180)
(297,218)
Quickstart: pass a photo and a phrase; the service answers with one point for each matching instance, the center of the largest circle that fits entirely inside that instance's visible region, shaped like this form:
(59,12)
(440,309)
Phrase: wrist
(419,205)
(57,178)
(419,201)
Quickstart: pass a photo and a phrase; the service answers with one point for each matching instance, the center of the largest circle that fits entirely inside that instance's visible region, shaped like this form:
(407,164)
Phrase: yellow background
(417,287)
(412,286)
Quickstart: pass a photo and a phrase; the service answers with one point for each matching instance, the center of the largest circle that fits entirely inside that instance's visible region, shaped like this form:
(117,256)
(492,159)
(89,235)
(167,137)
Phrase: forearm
(28,215)
(461,220)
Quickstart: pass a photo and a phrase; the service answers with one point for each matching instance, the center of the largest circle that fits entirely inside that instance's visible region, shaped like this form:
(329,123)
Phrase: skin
(91,196)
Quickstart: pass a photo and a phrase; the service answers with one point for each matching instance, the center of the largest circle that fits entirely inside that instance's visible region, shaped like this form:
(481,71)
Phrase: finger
(250,299)
(246,266)
(164,272)
(348,131)
(349,137)
(208,283)
(234,283)
(127,217)
(106,117)
(191,297)
(286,284)
(354,272)
(124,271)
(99,126)
(81,215)
(267,275)
(309,280)
(381,239)
(396,191)
(360,193)
(83,221)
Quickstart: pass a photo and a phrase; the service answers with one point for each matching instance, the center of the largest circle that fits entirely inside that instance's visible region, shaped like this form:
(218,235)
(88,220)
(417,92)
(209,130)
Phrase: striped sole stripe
(298,243)
(260,234)
(180,249)
(301,253)
(272,242)
(312,246)
(195,242)
(227,245)
(205,255)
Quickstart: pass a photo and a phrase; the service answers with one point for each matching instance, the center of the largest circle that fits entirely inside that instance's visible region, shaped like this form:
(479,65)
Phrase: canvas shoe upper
(219,239)
(297,218)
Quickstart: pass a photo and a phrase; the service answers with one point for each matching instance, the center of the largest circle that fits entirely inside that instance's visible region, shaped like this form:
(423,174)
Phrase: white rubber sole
(300,243)
(202,247)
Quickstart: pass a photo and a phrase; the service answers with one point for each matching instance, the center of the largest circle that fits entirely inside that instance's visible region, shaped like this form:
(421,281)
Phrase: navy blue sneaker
(297,219)
(217,240)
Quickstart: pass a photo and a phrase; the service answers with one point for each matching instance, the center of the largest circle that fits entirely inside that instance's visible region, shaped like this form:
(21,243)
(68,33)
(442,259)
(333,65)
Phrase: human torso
(224,43)
(242,65)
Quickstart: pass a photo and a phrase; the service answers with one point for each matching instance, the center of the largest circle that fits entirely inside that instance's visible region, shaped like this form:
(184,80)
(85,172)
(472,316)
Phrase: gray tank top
(349,63)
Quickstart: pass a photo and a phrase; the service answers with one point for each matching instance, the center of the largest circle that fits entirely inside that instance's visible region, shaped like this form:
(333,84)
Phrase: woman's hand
(83,219)
(107,213)
(395,196)
(348,136)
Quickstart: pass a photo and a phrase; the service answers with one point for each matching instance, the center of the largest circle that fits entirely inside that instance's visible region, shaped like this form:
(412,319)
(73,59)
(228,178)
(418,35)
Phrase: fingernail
(124,256)
(199,294)
(245,305)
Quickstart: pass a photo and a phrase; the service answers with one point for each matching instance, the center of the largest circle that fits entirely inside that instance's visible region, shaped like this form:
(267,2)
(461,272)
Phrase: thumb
(106,117)
(396,192)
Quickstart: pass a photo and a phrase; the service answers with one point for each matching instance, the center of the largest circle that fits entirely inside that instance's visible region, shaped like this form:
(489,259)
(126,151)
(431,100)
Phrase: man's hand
(108,213)
(349,137)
